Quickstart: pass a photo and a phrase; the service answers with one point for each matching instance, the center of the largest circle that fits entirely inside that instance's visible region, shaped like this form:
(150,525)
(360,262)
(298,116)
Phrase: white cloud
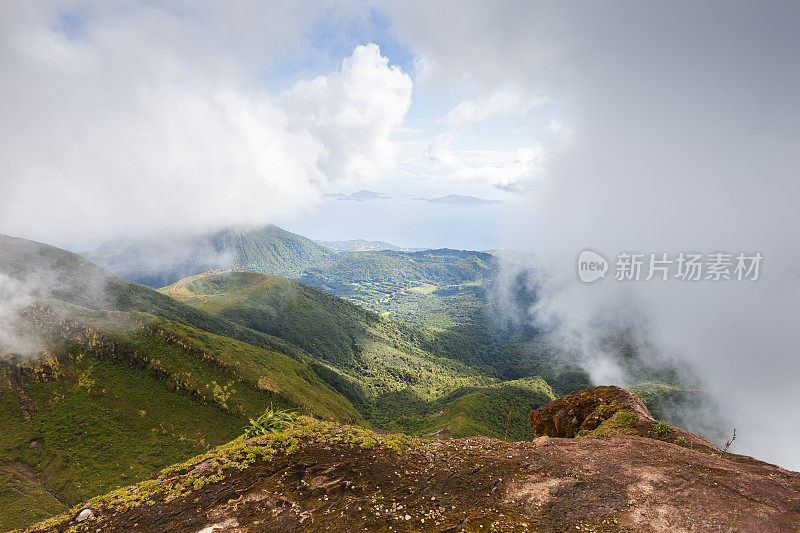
(526,165)
(505,169)
(139,123)
(501,169)
(353,112)
(503,101)
(15,295)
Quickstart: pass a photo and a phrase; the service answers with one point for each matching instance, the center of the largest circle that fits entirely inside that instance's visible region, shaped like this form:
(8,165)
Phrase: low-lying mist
(15,296)
(31,272)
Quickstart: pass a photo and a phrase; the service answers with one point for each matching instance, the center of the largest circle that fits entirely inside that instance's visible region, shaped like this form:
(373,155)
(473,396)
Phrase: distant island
(461,199)
(360,195)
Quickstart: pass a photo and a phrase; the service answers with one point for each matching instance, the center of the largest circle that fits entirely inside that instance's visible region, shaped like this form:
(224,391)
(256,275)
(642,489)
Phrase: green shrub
(271,421)
(662,428)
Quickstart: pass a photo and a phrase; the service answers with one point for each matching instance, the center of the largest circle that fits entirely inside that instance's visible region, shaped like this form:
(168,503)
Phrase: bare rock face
(605,411)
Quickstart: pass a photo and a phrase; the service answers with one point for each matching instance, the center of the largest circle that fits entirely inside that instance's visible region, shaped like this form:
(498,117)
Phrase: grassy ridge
(380,355)
(213,368)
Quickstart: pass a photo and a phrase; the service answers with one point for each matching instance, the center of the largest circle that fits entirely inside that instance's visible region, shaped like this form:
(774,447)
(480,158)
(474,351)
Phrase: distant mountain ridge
(157,261)
(442,289)
(452,295)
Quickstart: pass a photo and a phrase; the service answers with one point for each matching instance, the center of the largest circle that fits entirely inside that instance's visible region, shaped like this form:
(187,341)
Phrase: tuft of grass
(271,421)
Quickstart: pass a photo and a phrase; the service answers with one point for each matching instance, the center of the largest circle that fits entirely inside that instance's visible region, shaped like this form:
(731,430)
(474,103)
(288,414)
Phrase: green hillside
(116,396)
(379,355)
(416,380)
(499,410)
(399,385)
(447,292)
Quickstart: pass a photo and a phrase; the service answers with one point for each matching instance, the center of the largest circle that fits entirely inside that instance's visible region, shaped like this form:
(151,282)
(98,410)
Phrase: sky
(616,126)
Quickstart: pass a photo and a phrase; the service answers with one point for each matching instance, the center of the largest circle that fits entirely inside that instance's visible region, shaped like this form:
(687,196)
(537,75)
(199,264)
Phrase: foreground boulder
(605,411)
(318,476)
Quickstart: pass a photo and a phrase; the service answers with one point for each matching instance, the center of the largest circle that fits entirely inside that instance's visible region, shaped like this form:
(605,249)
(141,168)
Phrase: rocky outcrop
(605,411)
(581,412)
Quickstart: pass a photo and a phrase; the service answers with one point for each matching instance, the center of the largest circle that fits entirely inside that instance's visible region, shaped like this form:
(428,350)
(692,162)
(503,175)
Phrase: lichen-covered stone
(608,410)
(584,411)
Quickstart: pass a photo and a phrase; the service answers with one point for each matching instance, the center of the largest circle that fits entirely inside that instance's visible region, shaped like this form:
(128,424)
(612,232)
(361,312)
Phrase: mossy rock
(609,410)
(586,411)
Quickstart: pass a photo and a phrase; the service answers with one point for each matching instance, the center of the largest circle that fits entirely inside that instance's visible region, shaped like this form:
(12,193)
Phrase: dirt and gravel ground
(611,483)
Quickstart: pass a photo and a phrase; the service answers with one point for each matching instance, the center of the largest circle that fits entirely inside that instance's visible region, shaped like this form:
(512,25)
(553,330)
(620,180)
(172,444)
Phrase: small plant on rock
(662,428)
(271,421)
